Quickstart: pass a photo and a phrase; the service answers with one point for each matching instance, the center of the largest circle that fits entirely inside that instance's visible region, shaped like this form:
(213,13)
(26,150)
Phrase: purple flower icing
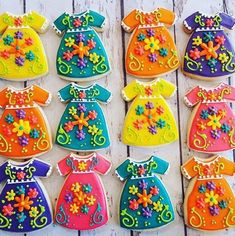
(143,184)
(150,32)
(18,35)
(23,141)
(152,129)
(81,107)
(210,185)
(19,61)
(80,135)
(152,57)
(149,105)
(212,110)
(80,37)
(68,197)
(20,114)
(82,63)
(214,210)
(215,134)
(146,212)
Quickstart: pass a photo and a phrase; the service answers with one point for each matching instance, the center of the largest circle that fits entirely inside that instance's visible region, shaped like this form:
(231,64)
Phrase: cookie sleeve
(227,21)
(103,165)
(188,170)
(159,166)
(3,97)
(167,89)
(38,22)
(226,166)
(191,97)
(41,96)
(98,21)
(228,92)
(3,24)
(3,175)
(130,91)
(64,94)
(42,169)
(167,17)
(190,22)
(131,21)
(102,94)
(65,165)
(122,170)
(61,23)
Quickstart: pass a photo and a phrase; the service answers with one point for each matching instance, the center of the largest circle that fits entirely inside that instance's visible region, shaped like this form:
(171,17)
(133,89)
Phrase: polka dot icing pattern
(83,126)
(211,127)
(81,55)
(24,205)
(209,54)
(82,201)
(209,203)
(149,121)
(22,54)
(24,130)
(145,203)
(151,51)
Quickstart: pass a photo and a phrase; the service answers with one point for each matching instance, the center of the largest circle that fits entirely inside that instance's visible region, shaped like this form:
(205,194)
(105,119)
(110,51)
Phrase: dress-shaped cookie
(24,130)
(24,203)
(209,201)
(209,54)
(82,203)
(151,50)
(149,121)
(144,203)
(212,123)
(82,126)
(81,55)
(22,56)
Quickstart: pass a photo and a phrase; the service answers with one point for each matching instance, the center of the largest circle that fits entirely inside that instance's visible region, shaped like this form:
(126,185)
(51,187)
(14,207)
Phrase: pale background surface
(115,41)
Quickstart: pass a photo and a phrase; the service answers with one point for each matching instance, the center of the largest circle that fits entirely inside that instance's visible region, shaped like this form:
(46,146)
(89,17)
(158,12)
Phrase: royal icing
(145,203)
(209,203)
(24,129)
(81,55)
(149,121)
(151,51)
(82,202)
(22,55)
(24,205)
(83,126)
(211,127)
(209,54)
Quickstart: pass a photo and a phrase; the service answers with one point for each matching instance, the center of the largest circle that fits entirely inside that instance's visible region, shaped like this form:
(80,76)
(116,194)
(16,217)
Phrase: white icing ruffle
(44,27)
(122,179)
(56,29)
(125,96)
(187,102)
(208,29)
(125,27)
(186,25)
(48,101)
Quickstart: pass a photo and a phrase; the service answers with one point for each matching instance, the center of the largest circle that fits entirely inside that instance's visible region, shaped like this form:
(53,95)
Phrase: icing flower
(214,121)
(81,50)
(21,217)
(33,212)
(34,133)
(133,189)
(139,50)
(212,63)
(5,54)
(28,41)
(225,128)
(163,52)
(92,115)
(161,38)
(7,131)
(7,210)
(154,190)
(146,212)
(149,105)
(18,21)
(223,204)
(149,19)
(201,125)
(85,209)
(91,43)
(141,37)
(33,119)
(152,129)
(68,126)
(223,57)
(160,110)
(23,203)
(220,39)
(29,55)
(161,123)
(80,135)
(94,58)
(211,198)
(133,204)
(148,90)
(90,200)
(210,185)
(20,114)
(157,206)
(68,198)
(82,95)
(93,129)
(204,114)
(209,50)
(9,118)
(18,35)
(214,210)
(8,40)
(72,111)
(200,203)
(143,184)
(81,107)
(67,55)
(19,61)
(215,134)
(10,195)
(222,112)
(74,208)
(76,187)
(20,175)
(152,44)
(82,63)
(202,188)
(209,36)
(32,193)
(212,110)
(197,41)
(138,124)
(80,121)
(87,188)
(77,23)
(152,57)
(144,198)
(69,42)
(194,54)
(20,98)
(80,198)
(23,141)
(220,191)
(20,190)
(207,170)
(80,37)
(209,22)
(150,32)
(82,165)
(139,110)
(141,170)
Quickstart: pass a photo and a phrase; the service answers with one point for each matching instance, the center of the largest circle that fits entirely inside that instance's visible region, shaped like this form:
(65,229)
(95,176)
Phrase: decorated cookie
(149,121)
(22,56)
(151,51)
(145,203)
(24,130)
(81,55)
(82,203)
(209,200)
(82,126)
(212,123)
(24,205)
(209,54)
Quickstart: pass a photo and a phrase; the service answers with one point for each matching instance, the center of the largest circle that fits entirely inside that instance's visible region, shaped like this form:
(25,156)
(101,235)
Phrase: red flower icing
(194,54)
(148,91)
(160,110)
(5,54)
(20,175)
(209,22)
(7,131)
(149,19)
(220,39)
(154,190)
(138,124)
(161,38)
(139,50)
(92,115)
(77,23)
(220,191)
(68,126)
(29,41)
(133,204)
(82,94)
(67,55)
(200,203)
(91,43)
(33,193)
(18,21)
(141,170)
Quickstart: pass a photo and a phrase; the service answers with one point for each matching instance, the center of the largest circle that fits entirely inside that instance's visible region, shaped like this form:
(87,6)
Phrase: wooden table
(115,41)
